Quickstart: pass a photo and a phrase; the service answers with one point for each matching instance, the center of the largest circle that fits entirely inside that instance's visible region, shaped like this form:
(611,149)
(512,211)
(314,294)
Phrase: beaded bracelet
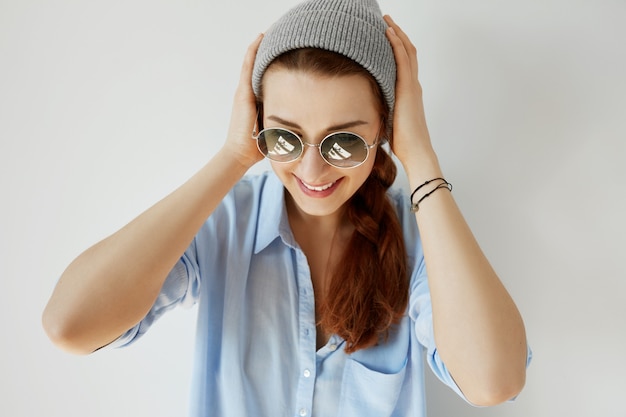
(445,184)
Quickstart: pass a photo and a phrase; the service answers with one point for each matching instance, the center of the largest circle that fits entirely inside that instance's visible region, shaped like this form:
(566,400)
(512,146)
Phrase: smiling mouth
(318,188)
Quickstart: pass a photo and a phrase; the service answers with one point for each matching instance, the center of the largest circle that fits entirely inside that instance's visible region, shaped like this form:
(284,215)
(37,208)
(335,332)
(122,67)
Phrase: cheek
(361,175)
(368,166)
(282,170)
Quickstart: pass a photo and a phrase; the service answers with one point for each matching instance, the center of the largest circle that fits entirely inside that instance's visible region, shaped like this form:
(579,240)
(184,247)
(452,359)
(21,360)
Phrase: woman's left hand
(479,332)
(411,140)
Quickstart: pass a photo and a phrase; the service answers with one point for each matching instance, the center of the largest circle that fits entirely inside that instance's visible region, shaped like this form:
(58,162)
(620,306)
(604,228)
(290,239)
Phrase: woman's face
(313,106)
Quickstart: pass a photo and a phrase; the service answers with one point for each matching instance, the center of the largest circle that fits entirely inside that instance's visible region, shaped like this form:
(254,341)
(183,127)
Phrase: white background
(106,106)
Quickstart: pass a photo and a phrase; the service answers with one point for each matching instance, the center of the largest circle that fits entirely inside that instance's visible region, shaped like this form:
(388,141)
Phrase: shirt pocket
(366,392)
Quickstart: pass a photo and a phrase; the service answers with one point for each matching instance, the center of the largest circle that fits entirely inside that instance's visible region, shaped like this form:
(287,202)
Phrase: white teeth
(321,188)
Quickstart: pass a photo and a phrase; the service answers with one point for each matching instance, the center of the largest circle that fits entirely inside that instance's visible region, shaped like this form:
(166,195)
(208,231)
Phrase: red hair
(368,290)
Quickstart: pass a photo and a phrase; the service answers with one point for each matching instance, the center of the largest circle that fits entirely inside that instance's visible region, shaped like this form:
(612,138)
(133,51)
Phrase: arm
(112,285)
(478,330)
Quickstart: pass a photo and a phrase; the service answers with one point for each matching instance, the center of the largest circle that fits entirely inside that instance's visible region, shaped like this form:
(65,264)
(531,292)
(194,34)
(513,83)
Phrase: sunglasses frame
(256,136)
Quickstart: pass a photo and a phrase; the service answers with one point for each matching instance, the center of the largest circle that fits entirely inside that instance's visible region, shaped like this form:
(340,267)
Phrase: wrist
(421,165)
(426,189)
(239,159)
(236,162)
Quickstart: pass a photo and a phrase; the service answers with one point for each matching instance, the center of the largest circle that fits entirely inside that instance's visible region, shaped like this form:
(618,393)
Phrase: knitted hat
(353,28)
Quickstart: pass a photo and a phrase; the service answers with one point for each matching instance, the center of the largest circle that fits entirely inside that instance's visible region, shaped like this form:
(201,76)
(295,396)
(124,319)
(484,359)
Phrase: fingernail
(393,32)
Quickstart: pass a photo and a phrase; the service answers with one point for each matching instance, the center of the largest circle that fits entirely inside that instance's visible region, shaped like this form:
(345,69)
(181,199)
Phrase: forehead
(304,95)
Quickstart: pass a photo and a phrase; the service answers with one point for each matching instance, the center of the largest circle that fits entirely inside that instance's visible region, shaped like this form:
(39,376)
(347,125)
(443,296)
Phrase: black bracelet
(445,184)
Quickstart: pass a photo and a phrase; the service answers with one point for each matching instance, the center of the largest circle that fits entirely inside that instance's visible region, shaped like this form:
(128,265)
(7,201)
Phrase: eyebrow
(340,126)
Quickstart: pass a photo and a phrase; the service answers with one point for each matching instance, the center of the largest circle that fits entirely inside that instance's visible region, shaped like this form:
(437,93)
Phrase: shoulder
(397,195)
(252,183)
(399,199)
(251,196)
(247,192)
(250,214)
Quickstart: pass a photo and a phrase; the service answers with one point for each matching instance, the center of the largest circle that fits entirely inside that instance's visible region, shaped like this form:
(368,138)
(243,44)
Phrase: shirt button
(303,412)
(333,347)
(306,373)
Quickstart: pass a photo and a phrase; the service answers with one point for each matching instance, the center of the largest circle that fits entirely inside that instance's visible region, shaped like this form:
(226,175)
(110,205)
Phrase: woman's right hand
(239,142)
(111,286)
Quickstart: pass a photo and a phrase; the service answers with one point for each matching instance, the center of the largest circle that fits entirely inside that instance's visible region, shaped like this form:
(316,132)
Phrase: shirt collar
(273,221)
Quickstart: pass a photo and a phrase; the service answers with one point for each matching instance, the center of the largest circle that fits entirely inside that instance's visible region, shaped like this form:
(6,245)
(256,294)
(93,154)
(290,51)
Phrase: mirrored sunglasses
(339,149)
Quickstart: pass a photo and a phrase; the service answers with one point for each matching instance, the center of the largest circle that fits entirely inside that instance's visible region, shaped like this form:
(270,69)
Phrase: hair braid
(368,291)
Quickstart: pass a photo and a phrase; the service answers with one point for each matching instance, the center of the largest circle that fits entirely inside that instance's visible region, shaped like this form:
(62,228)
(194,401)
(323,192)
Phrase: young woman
(311,281)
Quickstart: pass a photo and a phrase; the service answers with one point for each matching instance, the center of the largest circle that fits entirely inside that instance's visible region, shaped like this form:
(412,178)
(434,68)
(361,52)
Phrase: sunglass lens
(279,145)
(344,150)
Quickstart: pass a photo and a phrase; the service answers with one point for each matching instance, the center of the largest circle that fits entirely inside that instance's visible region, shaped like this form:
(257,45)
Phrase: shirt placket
(307,354)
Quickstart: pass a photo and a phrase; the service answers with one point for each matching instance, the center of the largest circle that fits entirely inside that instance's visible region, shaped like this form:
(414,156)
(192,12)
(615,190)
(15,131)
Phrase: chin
(318,208)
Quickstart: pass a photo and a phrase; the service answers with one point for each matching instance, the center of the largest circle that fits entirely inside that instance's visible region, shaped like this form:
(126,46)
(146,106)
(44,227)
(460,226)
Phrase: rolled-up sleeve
(181,288)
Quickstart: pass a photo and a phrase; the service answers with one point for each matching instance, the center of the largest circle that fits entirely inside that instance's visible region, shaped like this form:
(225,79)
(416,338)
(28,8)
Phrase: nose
(311,162)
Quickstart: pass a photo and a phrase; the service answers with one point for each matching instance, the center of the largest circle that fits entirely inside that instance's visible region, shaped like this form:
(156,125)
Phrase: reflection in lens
(344,150)
(279,145)
(337,152)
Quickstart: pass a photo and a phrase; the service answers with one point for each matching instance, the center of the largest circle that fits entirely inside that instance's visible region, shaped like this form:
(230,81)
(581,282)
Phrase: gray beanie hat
(353,28)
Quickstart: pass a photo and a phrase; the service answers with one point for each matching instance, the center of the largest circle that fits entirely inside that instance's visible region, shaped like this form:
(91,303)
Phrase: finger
(244,105)
(243,108)
(408,46)
(403,61)
(401,34)
(245,78)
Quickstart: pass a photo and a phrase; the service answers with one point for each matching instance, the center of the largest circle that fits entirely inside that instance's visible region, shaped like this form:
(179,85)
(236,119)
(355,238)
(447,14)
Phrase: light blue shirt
(256,345)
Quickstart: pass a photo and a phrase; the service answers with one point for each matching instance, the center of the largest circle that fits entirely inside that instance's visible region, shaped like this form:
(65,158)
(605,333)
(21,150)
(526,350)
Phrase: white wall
(106,106)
